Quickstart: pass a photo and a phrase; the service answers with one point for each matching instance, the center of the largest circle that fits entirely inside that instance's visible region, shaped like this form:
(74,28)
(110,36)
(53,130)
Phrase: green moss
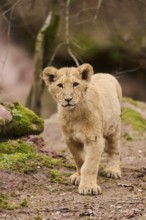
(13,146)
(24,122)
(55,175)
(38,218)
(27,163)
(6,203)
(24,203)
(21,156)
(129,138)
(131,101)
(70,165)
(134,118)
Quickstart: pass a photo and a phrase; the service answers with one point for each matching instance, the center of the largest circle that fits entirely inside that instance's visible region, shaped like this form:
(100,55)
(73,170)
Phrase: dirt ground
(40,198)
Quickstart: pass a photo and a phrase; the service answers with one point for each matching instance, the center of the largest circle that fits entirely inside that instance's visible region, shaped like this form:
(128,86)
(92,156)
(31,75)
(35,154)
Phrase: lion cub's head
(68,85)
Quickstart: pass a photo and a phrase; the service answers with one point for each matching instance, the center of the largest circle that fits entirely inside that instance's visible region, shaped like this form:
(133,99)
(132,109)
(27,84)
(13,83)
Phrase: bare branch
(82,10)
(55,53)
(119,74)
(96,14)
(97,9)
(85,21)
(73,56)
(77,45)
(11,9)
(67,22)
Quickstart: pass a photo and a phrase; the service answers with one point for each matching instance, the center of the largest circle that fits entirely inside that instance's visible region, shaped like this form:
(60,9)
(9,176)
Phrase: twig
(85,21)
(92,19)
(118,74)
(55,53)
(73,56)
(11,9)
(97,9)
(77,45)
(82,10)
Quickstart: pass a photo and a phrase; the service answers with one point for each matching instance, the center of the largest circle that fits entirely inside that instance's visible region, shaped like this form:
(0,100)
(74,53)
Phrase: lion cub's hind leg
(112,168)
(77,150)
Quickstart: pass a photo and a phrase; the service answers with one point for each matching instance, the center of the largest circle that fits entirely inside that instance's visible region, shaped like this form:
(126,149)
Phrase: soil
(41,198)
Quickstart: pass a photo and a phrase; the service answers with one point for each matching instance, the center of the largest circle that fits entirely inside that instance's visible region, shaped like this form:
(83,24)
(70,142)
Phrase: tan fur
(92,119)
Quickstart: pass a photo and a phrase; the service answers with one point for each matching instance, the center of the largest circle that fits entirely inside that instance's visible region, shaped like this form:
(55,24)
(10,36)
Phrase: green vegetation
(131,101)
(8,203)
(24,122)
(134,118)
(129,137)
(21,156)
(16,146)
(38,218)
(55,175)
(24,203)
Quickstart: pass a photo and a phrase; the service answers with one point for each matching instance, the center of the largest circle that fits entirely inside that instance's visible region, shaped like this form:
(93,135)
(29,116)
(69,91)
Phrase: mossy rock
(134,118)
(24,122)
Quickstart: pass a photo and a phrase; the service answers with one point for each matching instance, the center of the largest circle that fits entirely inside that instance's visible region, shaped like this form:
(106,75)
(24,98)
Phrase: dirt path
(40,198)
(47,194)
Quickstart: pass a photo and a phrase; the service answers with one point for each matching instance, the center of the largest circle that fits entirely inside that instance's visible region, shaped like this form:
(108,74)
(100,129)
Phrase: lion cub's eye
(75,84)
(60,85)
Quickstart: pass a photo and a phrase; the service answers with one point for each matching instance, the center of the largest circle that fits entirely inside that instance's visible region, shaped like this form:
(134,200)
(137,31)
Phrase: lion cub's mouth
(68,105)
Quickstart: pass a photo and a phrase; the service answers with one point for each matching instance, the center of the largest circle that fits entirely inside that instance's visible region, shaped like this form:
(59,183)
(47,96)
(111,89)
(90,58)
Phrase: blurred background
(110,35)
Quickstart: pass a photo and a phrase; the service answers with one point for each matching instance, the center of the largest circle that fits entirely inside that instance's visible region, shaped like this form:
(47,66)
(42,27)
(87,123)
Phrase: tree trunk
(43,46)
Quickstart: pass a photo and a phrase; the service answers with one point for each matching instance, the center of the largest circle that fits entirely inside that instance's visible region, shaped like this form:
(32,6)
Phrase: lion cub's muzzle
(69,103)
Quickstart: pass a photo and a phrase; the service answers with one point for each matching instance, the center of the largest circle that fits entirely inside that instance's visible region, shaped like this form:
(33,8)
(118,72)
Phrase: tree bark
(43,46)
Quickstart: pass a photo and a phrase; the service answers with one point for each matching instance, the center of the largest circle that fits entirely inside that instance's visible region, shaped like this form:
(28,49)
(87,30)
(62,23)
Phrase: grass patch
(131,101)
(21,156)
(55,175)
(16,146)
(6,204)
(134,118)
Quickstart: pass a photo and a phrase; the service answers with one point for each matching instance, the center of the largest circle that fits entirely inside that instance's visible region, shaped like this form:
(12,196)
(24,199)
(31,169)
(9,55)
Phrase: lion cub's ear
(49,75)
(86,71)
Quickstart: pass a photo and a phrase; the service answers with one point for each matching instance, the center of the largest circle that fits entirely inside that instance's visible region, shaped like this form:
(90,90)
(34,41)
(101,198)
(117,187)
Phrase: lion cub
(89,115)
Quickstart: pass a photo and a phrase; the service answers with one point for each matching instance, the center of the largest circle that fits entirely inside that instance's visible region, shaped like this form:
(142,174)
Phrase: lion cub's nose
(68,100)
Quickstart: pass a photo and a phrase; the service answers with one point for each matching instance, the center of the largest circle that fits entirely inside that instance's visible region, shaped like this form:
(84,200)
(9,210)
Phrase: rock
(5,115)
(52,133)
(23,122)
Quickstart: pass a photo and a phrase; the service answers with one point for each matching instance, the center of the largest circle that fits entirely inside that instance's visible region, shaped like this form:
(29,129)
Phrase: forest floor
(47,194)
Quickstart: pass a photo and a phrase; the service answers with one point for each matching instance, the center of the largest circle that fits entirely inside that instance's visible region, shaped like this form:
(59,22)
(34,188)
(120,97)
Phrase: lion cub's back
(107,84)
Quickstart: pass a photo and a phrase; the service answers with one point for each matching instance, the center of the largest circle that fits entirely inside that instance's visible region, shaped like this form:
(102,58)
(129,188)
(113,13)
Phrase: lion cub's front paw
(75,179)
(90,189)
(114,173)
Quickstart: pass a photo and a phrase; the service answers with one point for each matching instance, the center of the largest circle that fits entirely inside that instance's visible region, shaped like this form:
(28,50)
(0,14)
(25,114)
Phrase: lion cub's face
(68,85)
